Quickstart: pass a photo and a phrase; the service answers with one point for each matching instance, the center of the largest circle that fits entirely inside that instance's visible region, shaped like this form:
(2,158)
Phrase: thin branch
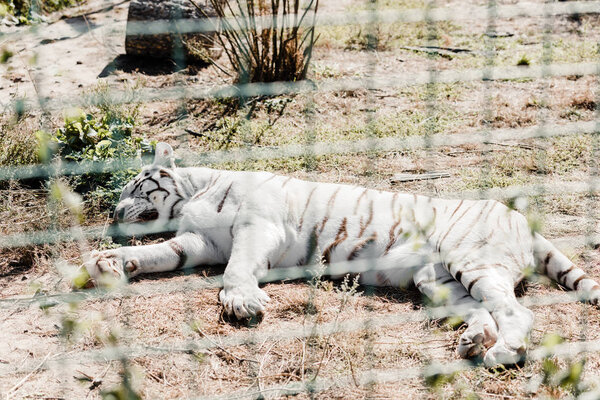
(22,381)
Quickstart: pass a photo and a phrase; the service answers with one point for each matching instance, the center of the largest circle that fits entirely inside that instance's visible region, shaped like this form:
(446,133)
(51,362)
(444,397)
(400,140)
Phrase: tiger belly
(357,256)
(396,277)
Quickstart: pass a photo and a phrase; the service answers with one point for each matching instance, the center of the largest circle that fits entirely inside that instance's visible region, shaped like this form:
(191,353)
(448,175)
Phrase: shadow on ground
(143,65)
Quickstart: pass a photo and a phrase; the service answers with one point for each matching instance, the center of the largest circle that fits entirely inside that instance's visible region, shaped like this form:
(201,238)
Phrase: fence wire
(125,349)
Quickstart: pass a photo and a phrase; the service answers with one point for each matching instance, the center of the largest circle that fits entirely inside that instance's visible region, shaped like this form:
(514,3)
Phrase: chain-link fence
(469,101)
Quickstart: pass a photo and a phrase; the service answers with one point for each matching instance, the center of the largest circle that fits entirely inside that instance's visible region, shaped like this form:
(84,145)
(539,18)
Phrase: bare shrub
(279,51)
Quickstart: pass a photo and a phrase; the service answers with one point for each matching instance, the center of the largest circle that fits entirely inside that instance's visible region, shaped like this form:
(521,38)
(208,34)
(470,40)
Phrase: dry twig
(398,178)
(448,52)
(22,381)
(223,349)
(519,145)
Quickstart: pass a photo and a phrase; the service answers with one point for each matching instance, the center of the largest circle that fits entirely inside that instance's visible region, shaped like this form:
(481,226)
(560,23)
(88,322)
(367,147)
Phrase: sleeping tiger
(472,251)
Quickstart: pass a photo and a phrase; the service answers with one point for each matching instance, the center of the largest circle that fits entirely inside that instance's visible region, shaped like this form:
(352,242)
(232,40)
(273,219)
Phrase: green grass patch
(569,154)
(237,131)
(18,144)
(527,48)
(523,61)
(385,36)
(488,178)
(568,157)
(437,92)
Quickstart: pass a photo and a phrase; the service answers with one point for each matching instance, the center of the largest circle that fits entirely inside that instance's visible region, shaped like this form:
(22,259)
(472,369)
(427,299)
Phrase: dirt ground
(164,337)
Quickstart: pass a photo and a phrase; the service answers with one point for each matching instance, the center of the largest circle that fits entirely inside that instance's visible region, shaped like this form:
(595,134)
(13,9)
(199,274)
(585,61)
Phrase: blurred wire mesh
(372,145)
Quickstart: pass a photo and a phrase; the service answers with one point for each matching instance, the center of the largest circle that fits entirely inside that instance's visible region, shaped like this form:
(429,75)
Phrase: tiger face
(154,194)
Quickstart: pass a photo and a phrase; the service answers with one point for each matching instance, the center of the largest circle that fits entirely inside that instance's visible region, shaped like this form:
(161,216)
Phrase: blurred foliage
(436,376)
(6,54)
(124,391)
(555,377)
(30,11)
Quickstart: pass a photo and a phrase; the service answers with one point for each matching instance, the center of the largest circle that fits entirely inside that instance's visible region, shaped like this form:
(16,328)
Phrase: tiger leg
(557,266)
(496,289)
(434,281)
(252,246)
(188,249)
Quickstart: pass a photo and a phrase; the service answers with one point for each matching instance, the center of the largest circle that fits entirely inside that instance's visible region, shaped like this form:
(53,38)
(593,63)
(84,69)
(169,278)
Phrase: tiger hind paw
(500,353)
(475,341)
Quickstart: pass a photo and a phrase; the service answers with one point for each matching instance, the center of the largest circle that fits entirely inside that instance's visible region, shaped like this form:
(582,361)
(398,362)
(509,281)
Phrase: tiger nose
(119,214)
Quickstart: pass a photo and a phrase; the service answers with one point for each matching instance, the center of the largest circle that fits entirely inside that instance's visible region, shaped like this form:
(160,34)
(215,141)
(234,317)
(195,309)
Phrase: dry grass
(270,363)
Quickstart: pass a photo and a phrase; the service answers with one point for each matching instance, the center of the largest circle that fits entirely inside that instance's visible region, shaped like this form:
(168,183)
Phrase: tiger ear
(163,156)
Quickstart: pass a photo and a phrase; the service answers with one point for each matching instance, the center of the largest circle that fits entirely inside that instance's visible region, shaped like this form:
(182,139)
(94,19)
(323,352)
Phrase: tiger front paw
(244,301)
(108,268)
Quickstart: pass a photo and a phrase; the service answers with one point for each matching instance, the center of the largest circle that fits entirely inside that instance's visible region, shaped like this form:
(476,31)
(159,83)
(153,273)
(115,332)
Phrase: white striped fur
(253,221)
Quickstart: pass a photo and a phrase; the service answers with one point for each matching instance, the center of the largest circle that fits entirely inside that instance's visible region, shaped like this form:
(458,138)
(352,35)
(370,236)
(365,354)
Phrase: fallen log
(191,48)
(448,52)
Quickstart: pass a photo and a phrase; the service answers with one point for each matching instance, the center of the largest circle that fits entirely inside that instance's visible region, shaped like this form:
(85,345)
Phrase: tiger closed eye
(156,198)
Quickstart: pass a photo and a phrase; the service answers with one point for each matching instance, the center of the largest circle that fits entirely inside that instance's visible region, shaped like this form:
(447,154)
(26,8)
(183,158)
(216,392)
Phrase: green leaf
(6,54)
(104,144)
(47,147)
(551,340)
(81,279)
(573,375)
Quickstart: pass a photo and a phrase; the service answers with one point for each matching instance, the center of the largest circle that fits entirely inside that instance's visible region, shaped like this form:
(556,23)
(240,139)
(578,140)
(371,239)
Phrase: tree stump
(195,48)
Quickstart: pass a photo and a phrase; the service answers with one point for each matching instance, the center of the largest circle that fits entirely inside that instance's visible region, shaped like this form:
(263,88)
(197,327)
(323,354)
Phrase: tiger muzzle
(119,214)
(148,215)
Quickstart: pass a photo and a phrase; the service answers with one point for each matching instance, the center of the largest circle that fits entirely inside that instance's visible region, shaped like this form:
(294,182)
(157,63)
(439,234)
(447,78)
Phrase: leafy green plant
(86,137)
(107,139)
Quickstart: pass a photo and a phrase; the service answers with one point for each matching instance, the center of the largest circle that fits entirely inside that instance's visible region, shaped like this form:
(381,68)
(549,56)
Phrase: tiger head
(157,193)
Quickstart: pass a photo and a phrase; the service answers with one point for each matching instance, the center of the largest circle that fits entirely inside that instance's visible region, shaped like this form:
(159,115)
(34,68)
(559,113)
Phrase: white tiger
(254,221)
